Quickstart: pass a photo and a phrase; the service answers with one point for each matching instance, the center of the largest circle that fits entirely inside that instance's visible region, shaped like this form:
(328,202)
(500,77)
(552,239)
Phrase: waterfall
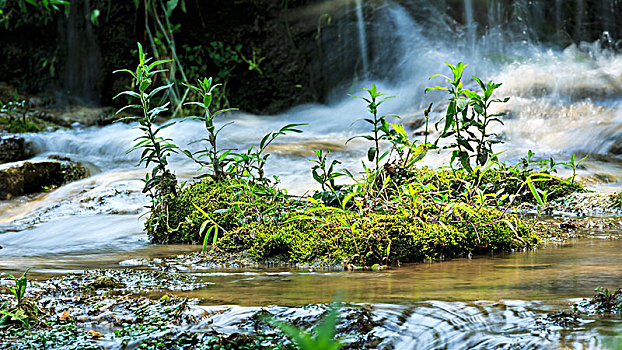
(80,77)
(360,23)
(470,22)
(579,29)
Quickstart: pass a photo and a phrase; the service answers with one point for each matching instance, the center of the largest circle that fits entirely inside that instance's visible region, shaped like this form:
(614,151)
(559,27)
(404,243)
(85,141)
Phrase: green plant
(24,312)
(304,340)
(254,61)
(480,104)
(380,125)
(322,175)
(213,228)
(20,286)
(573,165)
(156,149)
(161,183)
(467,116)
(216,158)
(161,34)
(220,58)
(251,163)
(19,8)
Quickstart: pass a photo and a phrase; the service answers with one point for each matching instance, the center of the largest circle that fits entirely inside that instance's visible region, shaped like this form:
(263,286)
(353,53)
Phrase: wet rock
(32,177)
(603,302)
(568,226)
(561,319)
(102,282)
(82,116)
(13,149)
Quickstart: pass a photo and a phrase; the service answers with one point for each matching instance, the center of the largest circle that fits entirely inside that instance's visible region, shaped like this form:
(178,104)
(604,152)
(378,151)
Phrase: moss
(19,126)
(377,238)
(228,204)
(502,181)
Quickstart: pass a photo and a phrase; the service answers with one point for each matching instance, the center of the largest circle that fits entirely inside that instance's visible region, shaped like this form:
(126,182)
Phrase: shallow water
(562,102)
(548,273)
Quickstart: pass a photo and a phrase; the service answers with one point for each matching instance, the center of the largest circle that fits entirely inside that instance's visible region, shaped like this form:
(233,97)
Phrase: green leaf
(371,154)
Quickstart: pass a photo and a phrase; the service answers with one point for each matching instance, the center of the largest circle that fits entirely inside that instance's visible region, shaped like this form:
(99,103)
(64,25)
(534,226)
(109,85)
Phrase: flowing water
(563,101)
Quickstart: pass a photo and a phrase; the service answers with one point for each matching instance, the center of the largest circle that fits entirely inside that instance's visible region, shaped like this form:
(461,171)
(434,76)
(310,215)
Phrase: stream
(563,101)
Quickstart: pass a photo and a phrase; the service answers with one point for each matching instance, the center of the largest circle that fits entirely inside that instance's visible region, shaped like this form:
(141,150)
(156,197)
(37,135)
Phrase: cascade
(362,37)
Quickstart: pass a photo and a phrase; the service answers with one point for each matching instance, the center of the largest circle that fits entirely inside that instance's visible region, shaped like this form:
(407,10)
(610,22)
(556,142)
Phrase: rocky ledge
(23,178)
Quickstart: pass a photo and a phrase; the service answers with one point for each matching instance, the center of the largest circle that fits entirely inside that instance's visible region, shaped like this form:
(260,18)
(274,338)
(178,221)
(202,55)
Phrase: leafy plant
(304,340)
(480,104)
(219,57)
(216,158)
(467,118)
(20,286)
(161,183)
(321,174)
(380,125)
(251,163)
(161,34)
(213,227)
(573,165)
(156,149)
(19,8)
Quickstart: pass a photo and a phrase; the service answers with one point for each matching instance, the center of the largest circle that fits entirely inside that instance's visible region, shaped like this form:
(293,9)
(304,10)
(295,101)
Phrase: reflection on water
(49,265)
(547,273)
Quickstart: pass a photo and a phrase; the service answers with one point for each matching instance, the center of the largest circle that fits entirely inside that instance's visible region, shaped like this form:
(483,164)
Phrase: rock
(32,177)
(102,282)
(79,116)
(13,149)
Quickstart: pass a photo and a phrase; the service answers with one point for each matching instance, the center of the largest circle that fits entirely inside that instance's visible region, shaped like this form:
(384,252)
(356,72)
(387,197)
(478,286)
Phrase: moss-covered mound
(228,204)
(377,238)
(509,181)
(265,225)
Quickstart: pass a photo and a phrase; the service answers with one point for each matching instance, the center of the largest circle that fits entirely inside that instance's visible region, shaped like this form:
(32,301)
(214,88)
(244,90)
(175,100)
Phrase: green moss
(19,126)
(228,204)
(377,238)
(502,181)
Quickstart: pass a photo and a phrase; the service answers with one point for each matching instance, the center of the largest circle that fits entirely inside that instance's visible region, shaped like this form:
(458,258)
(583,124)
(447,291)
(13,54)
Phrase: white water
(360,25)
(562,102)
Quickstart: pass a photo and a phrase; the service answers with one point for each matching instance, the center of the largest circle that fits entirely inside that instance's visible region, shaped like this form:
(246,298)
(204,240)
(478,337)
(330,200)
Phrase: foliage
(573,165)
(604,301)
(380,125)
(324,176)
(14,115)
(467,118)
(21,8)
(20,286)
(161,34)
(250,165)
(216,158)
(394,213)
(304,340)
(161,183)
(224,58)
(26,310)
(225,204)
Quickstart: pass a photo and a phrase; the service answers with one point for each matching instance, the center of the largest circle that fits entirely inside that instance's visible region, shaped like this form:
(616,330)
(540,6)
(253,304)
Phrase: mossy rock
(225,202)
(378,238)
(32,177)
(13,149)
